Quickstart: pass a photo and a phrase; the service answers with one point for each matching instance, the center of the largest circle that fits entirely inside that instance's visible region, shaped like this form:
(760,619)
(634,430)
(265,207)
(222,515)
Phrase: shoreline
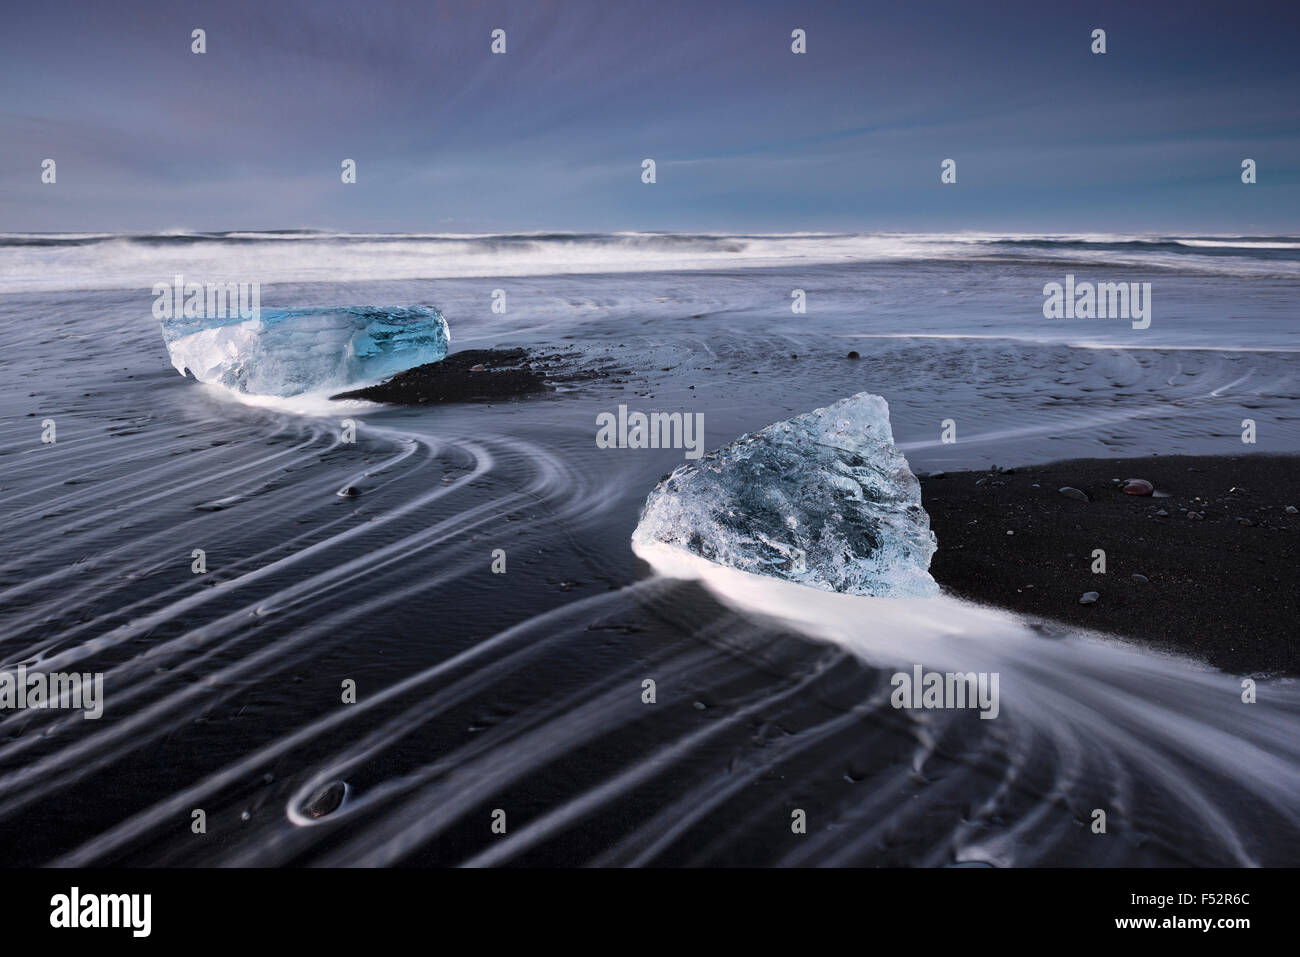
(1219,588)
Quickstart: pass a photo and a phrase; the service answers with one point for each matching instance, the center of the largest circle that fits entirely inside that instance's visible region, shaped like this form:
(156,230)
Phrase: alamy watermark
(934,689)
(22,690)
(653,430)
(1103,300)
(133,912)
(214,300)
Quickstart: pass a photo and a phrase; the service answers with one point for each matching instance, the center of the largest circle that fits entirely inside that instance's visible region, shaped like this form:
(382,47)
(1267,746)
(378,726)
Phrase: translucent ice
(823,499)
(288,352)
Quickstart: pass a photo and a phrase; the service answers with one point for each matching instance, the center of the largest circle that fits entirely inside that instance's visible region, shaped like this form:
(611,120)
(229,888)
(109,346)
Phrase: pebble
(1141,579)
(1138,487)
(1071,492)
(854,355)
(348,491)
(1162,514)
(1088,598)
(1196,515)
(326,800)
(1291,510)
(478,368)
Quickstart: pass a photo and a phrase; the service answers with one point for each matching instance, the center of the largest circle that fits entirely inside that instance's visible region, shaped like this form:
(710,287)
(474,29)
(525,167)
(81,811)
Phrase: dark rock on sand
(476,375)
(1138,487)
(1217,590)
(327,800)
(1069,492)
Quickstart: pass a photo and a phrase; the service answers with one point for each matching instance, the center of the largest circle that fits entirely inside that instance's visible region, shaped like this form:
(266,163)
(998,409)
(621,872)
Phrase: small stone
(1195,515)
(348,491)
(700,706)
(1161,513)
(1141,579)
(478,368)
(326,800)
(1009,532)
(854,355)
(1244,521)
(1138,487)
(1089,597)
(1291,510)
(1070,492)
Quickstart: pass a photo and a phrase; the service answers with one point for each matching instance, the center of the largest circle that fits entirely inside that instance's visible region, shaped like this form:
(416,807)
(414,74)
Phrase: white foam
(136,262)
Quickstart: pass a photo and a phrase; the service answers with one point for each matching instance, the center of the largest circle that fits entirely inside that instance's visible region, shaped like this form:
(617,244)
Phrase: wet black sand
(1222,588)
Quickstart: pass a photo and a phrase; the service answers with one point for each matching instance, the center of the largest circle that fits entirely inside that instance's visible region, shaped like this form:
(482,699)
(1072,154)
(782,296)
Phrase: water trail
(1104,711)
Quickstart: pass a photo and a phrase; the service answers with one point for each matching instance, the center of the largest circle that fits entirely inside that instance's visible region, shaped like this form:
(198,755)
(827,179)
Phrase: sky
(746,135)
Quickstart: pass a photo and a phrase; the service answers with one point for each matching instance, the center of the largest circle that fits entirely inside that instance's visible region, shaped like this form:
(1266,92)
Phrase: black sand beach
(192,547)
(1221,588)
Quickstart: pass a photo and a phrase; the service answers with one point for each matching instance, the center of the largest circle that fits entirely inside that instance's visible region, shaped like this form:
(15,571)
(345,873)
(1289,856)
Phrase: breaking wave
(35,262)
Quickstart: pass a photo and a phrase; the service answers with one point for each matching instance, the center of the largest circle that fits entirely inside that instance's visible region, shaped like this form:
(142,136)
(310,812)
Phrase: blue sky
(1047,136)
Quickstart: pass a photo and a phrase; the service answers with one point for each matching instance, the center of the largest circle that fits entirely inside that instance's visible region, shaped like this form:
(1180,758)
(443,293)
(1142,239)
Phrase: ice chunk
(823,499)
(288,352)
